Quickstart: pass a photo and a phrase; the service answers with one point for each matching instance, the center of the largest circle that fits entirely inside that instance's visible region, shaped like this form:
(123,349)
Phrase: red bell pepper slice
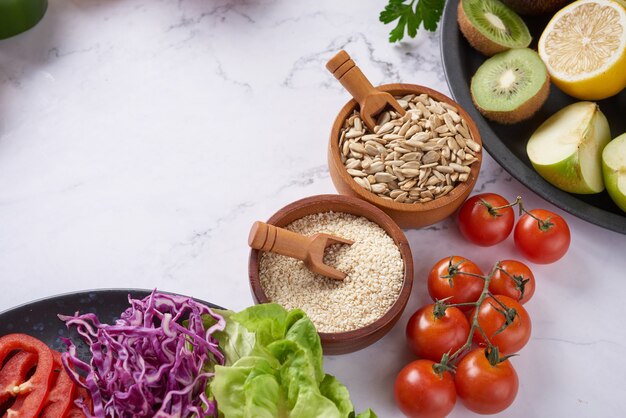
(14,373)
(61,395)
(35,389)
(75,411)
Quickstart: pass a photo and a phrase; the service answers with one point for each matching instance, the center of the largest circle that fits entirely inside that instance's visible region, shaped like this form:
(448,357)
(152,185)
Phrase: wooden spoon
(309,249)
(371,101)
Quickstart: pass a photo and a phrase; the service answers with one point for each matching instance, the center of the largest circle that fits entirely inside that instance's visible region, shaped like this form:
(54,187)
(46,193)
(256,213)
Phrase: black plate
(39,318)
(507,144)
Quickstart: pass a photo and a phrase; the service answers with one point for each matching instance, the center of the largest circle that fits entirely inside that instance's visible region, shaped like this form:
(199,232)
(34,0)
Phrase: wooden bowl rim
(377,215)
(455,194)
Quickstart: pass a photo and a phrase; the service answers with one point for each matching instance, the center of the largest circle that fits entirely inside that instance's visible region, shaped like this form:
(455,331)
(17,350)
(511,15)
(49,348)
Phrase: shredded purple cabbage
(148,364)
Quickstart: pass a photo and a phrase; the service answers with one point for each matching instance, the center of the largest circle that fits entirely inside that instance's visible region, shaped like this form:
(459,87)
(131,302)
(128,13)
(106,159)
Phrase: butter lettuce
(274,368)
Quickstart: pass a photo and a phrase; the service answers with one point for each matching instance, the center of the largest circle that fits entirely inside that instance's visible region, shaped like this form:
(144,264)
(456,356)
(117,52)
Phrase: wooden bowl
(407,215)
(344,342)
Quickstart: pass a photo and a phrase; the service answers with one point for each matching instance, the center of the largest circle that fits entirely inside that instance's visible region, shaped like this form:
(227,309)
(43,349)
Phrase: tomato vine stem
(543,224)
(475,325)
(491,351)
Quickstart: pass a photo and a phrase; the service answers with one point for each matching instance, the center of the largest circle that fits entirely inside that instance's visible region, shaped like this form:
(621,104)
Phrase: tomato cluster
(33,381)
(475,318)
(540,235)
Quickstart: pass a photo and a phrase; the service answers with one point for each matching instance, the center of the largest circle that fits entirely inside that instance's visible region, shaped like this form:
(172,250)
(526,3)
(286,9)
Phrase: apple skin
(612,175)
(567,173)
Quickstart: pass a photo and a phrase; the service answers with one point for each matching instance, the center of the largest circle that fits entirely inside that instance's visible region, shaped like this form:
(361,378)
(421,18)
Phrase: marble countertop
(140,139)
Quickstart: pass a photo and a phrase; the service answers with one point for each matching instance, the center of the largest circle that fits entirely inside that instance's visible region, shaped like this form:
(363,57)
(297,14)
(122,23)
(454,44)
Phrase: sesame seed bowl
(358,311)
(422,203)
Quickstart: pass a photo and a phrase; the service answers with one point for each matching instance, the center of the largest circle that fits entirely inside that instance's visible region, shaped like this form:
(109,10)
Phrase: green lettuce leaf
(274,368)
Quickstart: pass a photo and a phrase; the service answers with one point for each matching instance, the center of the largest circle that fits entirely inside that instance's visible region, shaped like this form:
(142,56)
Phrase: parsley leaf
(426,12)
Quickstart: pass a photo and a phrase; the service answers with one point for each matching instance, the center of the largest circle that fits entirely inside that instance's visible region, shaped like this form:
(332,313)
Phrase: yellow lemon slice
(584,49)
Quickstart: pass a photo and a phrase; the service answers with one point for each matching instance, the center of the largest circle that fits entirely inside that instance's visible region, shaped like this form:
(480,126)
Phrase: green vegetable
(274,368)
(411,16)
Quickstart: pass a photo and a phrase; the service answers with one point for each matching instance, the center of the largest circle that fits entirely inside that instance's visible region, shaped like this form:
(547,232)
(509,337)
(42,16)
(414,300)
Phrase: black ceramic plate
(507,144)
(39,318)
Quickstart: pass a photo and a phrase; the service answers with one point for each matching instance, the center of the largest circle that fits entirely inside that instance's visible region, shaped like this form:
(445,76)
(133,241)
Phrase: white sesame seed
(373,265)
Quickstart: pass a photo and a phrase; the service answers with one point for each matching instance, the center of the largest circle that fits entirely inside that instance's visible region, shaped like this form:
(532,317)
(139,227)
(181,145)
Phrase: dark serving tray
(507,144)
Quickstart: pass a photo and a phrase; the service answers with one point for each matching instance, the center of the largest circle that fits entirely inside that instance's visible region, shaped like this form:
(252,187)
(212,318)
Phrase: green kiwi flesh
(535,7)
(491,27)
(511,86)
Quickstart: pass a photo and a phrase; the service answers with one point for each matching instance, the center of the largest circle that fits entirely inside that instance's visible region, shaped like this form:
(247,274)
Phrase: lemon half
(584,49)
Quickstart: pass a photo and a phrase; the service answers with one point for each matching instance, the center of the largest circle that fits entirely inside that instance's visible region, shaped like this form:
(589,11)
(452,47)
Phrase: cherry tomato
(461,288)
(430,337)
(542,242)
(511,278)
(421,392)
(483,225)
(515,336)
(483,388)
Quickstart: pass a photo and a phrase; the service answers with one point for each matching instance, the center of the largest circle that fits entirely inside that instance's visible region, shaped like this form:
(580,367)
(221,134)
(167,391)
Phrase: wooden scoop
(309,249)
(371,101)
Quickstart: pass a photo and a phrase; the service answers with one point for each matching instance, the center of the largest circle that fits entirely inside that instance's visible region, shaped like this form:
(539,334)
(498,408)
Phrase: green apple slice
(614,170)
(566,149)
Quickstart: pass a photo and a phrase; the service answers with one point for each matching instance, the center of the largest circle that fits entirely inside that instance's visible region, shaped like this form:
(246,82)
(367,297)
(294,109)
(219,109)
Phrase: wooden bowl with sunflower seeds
(418,168)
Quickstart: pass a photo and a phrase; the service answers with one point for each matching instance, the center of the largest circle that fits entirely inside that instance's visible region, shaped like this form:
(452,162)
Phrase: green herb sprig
(411,15)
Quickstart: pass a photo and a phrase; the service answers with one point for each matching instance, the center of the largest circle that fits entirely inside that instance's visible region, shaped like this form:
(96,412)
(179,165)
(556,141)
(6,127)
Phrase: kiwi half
(510,86)
(491,27)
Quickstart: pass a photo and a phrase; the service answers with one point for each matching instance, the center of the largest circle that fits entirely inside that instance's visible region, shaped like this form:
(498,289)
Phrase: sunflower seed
(383,118)
(460,168)
(411,164)
(352,163)
(412,131)
(387,127)
(430,157)
(454,115)
(444,169)
(410,172)
(472,145)
(460,141)
(415,157)
(357,147)
(383,177)
(405,128)
(411,156)
(461,130)
(449,123)
(408,185)
(363,183)
(371,150)
(429,165)
(440,176)
(379,188)
(352,133)
(356,173)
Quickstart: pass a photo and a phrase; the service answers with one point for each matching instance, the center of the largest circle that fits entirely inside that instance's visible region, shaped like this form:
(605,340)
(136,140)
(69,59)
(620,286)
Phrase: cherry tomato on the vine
(446,279)
(544,241)
(483,388)
(511,278)
(481,223)
(422,393)
(431,337)
(491,319)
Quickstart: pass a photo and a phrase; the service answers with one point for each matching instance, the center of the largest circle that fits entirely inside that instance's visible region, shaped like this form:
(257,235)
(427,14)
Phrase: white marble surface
(139,139)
